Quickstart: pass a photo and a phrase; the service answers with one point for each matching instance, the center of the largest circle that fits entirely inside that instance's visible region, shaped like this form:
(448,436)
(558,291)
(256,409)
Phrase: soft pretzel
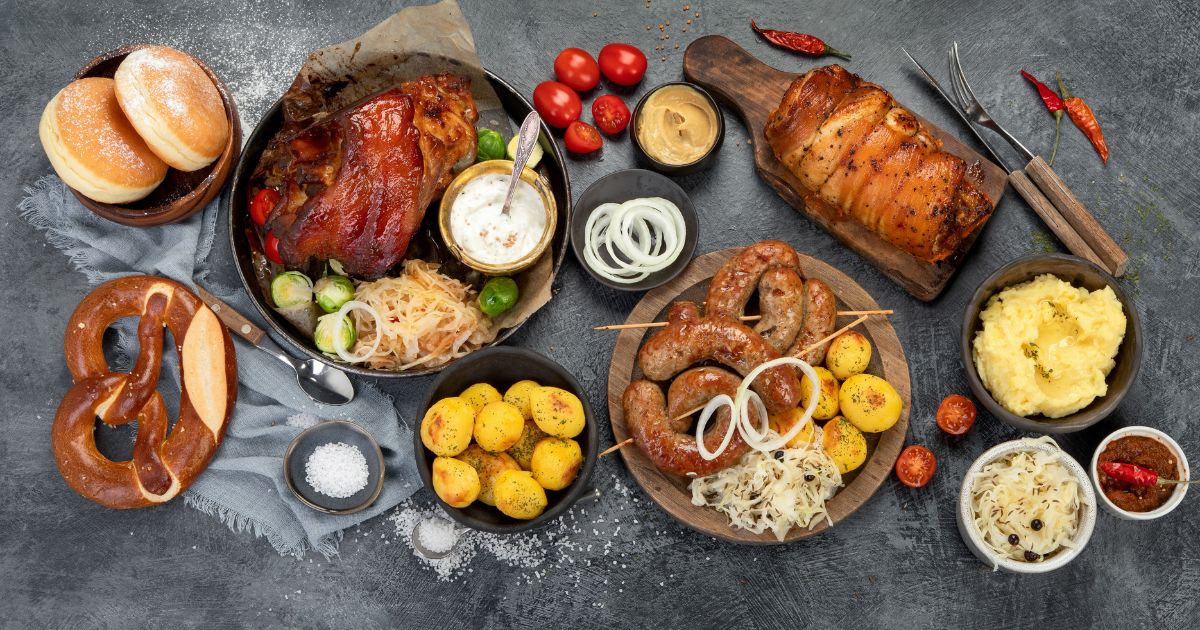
(163,465)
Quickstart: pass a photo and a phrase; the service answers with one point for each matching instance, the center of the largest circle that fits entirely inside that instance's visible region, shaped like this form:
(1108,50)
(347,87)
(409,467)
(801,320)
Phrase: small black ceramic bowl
(620,187)
(1079,273)
(301,448)
(677,169)
(501,367)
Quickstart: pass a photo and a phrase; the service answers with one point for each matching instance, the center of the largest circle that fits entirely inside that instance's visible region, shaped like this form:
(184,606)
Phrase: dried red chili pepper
(798,42)
(1054,104)
(1083,118)
(1136,475)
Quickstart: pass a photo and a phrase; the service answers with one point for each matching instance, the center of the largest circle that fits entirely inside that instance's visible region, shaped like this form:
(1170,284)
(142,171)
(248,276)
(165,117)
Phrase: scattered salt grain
(437,535)
(338,470)
(303,420)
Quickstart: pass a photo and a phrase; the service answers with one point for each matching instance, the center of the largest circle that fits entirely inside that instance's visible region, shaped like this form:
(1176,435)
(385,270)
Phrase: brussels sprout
(291,288)
(534,157)
(491,146)
(333,291)
(327,327)
(497,296)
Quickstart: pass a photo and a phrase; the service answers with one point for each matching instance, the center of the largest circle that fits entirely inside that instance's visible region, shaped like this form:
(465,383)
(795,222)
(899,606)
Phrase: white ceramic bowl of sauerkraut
(1012,485)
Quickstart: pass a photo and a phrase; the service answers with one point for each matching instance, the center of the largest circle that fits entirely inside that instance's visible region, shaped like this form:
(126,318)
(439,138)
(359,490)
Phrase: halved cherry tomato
(610,113)
(262,205)
(556,103)
(622,64)
(271,247)
(956,414)
(915,466)
(582,138)
(577,69)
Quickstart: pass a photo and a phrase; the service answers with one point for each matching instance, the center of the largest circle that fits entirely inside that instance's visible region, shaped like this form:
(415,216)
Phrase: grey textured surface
(898,562)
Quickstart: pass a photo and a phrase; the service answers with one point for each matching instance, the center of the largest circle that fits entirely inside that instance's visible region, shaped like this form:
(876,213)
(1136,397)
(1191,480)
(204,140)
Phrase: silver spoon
(526,140)
(324,384)
(460,530)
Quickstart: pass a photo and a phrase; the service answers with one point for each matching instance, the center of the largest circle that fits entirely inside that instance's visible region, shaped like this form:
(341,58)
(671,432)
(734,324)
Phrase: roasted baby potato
(446,428)
(518,395)
(870,403)
(827,406)
(480,395)
(849,353)
(781,423)
(557,411)
(518,495)
(455,482)
(498,426)
(556,462)
(845,444)
(522,451)
(489,466)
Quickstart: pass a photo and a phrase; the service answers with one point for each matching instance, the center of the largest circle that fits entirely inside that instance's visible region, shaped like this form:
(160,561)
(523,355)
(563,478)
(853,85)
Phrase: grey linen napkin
(244,484)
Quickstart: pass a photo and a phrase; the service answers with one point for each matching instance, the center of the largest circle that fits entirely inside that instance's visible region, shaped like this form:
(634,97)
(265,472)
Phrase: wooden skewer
(747,318)
(625,443)
(689,412)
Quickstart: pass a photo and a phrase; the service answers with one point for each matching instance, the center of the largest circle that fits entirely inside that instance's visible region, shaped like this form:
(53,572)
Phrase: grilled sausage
(665,442)
(779,297)
(820,317)
(685,342)
(738,278)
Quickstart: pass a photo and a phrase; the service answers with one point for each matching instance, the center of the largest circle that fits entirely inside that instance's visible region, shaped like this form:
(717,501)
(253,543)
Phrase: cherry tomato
(956,414)
(262,205)
(622,64)
(556,103)
(915,466)
(582,138)
(272,249)
(577,69)
(610,113)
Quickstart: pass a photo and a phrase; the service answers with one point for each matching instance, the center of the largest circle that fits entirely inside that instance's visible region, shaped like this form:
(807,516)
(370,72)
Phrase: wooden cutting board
(671,492)
(753,89)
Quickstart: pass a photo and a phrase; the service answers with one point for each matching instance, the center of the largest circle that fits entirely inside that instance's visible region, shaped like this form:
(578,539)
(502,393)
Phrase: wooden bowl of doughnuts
(181,194)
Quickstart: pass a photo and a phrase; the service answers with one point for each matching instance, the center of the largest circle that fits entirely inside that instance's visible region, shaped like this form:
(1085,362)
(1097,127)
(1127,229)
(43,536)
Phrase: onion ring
(740,406)
(649,232)
(337,339)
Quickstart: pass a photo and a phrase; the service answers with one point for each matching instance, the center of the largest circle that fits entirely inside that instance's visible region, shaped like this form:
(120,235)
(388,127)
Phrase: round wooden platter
(671,491)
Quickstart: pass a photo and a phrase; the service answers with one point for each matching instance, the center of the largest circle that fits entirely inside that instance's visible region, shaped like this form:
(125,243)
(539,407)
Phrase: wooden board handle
(231,318)
(1051,217)
(1084,223)
(726,70)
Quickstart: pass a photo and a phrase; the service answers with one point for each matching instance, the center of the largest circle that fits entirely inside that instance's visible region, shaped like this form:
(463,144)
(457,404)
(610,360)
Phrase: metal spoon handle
(526,140)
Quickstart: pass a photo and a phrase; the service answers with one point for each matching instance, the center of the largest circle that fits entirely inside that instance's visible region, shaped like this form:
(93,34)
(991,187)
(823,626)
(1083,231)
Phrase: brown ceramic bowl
(1079,273)
(181,194)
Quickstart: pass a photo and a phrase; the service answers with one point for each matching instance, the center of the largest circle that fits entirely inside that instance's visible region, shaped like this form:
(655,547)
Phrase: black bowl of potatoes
(507,440)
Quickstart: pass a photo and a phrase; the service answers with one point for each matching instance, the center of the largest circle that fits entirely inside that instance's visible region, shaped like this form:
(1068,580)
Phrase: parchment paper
(413,42)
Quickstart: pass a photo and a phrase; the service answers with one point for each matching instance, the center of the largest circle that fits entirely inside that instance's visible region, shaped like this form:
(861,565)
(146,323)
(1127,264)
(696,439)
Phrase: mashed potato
(1046,346)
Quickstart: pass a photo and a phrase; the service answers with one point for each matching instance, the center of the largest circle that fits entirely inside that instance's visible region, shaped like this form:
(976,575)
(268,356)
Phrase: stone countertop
(622,562)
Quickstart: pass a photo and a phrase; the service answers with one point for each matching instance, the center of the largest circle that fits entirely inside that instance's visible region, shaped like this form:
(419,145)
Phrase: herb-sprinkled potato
(522,451)
(518,395)
(557,411)
(827,405)
(455,482)
(781,423)
(849,353)
(480,395)
(870,403)
(518,495)
(556,462)
(489,466)
(498,426)
(446,428)
(845,444)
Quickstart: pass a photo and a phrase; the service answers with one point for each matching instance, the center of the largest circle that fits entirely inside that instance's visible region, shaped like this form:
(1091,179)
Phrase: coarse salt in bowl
(974,539)
(1165,508)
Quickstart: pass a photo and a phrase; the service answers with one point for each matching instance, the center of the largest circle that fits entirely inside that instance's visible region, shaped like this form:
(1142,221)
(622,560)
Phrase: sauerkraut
(769,491)
(1009,494)
(428,319)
